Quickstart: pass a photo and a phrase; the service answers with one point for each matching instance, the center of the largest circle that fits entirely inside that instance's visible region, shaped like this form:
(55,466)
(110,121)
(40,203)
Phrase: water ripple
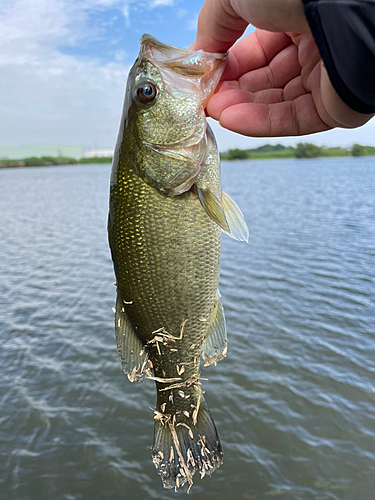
(294,401)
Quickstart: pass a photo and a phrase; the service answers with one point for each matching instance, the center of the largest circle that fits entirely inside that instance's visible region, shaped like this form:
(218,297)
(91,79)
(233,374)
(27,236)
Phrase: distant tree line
(268,151)
(45,161)
(302,150)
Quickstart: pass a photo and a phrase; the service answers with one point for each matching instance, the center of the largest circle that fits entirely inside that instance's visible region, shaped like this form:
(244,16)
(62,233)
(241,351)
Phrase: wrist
(341,113)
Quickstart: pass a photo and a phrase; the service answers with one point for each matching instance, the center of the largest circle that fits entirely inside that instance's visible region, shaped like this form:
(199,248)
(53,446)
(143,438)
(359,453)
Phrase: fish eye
(146,92)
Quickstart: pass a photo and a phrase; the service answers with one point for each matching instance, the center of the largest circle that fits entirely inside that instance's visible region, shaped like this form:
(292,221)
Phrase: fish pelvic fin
(215,345)
(133,355)
(182,448)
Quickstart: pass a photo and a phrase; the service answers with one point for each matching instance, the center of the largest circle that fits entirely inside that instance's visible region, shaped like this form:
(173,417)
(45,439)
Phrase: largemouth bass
(167,213)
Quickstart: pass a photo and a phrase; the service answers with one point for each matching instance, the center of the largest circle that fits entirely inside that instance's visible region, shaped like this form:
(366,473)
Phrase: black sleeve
(344,31)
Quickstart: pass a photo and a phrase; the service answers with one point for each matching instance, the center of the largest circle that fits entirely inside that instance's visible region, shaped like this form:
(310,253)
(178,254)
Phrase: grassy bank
(302,150)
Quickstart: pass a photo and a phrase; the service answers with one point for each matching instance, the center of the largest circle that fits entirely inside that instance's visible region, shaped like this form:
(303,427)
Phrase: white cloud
(182,13)
(161,3)
(33,22)
(125,12)
(68,101)
(120,55)
(48,96)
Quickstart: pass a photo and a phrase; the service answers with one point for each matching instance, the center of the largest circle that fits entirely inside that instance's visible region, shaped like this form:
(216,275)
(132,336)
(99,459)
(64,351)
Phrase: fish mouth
(151,40)
(203,68)
(147,39)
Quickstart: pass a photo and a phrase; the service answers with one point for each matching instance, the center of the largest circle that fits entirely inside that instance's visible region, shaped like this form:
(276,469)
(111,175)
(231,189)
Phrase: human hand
(274,83)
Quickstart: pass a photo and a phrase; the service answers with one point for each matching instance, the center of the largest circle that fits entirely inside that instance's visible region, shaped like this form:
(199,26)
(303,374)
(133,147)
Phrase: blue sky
(116,29)
(64,64)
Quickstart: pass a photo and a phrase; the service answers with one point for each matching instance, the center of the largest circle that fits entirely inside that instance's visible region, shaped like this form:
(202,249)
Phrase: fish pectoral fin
(133,355)
(215,345)
(237,226)
(225,213)
(213,208)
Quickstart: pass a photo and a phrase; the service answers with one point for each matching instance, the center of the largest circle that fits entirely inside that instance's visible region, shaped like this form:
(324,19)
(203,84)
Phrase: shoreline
(52,162)
(257,158)
(302,150)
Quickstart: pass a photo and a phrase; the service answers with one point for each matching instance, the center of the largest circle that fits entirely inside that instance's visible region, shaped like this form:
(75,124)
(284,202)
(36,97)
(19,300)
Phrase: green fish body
(167,213)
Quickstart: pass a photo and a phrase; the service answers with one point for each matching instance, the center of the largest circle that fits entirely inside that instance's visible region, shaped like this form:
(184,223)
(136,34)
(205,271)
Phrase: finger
(290,93)
(273,15)
(231,97)
(237,96)
(219,26)
(281,70)
(309,56)
(254,51)
(297,117)
(230,94)
(222,22)
(292,90)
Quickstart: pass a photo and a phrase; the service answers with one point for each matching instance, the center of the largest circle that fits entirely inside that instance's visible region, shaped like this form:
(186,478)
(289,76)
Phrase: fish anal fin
(215,345)
(133,355)
(213,207)
(237,226)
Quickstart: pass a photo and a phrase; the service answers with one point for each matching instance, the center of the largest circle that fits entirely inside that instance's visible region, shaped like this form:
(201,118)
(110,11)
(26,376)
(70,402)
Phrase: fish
(167,212)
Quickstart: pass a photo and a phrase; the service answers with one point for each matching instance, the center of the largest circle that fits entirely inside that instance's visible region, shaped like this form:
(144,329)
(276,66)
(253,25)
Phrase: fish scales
(169,265)
(169,269)
(167,213)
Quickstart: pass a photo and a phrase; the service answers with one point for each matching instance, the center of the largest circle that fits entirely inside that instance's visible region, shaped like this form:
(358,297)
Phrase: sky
(64,64)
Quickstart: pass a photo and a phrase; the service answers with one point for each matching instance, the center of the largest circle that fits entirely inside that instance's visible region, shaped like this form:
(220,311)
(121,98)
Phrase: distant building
(99,153)
(30,150)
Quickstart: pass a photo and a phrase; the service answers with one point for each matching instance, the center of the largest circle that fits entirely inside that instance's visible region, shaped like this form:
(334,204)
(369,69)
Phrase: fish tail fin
(183,447)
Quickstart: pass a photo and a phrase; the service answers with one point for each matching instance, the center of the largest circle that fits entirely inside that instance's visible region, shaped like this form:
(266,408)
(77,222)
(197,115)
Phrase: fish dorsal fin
(237,226)
(213,208)
(215,344)
(133,356)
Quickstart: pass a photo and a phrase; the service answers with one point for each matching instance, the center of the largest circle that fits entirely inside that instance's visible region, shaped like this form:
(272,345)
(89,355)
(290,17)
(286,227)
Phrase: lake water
(294,401)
